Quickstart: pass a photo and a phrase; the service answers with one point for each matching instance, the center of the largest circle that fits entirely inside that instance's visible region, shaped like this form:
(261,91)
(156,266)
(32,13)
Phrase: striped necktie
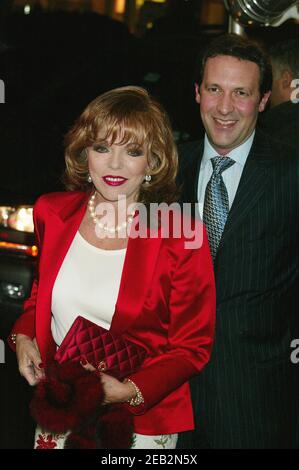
(216,205)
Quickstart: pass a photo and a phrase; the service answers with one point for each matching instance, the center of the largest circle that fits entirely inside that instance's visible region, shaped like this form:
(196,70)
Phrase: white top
(87,284)
(231,176)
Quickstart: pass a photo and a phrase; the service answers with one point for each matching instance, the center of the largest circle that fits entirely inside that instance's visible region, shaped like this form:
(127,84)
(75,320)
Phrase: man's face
(229,101)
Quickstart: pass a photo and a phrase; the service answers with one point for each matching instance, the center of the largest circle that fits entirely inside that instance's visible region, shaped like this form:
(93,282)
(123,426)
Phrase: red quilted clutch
(106,352)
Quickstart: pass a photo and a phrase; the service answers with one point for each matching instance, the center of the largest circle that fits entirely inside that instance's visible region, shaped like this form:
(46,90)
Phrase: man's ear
(264,101)
(286,79)
(197,93)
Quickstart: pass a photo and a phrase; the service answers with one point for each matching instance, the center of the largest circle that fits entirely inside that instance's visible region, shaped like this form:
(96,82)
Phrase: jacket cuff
(14,332)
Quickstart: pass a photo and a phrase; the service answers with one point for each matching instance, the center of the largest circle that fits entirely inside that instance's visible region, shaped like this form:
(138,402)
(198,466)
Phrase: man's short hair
(285,55)
(241,48)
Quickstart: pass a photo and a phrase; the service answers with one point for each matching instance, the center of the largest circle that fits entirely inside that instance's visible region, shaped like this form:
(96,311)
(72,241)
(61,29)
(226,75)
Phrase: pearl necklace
(102,226)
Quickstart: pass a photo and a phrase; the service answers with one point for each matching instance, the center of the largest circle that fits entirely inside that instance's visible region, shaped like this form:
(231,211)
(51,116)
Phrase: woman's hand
(29,359)
(114,390)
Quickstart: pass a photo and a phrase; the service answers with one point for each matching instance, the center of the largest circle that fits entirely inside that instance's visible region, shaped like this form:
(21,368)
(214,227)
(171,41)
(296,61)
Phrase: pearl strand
(102,226)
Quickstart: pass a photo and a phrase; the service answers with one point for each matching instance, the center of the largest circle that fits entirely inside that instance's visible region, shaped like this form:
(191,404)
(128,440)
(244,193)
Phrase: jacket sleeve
(192,309)
(25,324)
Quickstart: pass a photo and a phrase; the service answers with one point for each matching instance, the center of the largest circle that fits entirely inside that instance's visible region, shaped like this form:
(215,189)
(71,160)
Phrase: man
(282,120)
(245,186)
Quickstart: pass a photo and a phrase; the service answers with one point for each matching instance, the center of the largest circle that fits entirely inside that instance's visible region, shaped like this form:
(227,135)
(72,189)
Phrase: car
(18,255)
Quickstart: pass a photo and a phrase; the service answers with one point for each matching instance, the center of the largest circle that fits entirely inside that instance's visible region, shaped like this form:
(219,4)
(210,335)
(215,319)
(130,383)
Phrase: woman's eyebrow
(102,142)
(134,144)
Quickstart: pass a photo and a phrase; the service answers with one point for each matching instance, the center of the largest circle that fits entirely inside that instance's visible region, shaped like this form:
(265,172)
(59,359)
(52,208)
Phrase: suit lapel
(199,152)
(252,184)
(190,173)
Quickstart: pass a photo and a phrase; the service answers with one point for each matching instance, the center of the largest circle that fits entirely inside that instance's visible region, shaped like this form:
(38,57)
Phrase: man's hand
(29,359)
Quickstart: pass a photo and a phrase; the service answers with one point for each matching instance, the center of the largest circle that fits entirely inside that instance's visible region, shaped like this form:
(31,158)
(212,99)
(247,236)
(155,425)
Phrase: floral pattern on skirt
(46,440)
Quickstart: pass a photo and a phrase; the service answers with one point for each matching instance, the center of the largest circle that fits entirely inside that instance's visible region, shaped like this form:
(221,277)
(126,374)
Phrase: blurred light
(17,247)
(27,10)
(5,212)
(139,3)
(13,291)
(21,219)
(149,25)
(119,6)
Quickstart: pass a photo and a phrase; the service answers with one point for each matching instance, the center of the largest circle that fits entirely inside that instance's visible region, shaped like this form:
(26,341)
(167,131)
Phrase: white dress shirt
(231,176)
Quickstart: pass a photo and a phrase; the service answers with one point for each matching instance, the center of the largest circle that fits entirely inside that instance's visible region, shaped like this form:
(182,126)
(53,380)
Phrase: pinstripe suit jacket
(247,397)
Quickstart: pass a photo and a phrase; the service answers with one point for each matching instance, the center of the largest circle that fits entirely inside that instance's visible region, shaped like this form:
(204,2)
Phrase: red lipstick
(114,180)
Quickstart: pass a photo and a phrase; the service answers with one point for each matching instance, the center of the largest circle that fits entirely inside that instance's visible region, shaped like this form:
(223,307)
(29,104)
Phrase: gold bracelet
(138,399)
(13,338)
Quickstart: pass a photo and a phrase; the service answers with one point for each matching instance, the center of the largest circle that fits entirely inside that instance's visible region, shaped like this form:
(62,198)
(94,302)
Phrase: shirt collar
(239,154)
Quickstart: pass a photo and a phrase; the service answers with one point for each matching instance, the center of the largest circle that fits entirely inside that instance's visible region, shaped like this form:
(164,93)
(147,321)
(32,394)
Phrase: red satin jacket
(166,303)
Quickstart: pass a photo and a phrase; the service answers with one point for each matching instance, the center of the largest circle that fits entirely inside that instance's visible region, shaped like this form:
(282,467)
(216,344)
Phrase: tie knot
(221,164)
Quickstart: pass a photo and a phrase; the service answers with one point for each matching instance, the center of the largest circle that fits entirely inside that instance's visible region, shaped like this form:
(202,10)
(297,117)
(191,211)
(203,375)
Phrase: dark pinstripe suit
(247,396)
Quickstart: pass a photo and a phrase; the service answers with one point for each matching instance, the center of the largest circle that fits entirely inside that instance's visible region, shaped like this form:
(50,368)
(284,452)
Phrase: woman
(154,290)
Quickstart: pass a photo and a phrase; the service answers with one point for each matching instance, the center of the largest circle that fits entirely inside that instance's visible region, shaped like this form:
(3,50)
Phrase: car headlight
(19,218)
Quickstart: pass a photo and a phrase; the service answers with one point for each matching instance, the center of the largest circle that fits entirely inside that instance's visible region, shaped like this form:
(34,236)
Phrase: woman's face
(117,170)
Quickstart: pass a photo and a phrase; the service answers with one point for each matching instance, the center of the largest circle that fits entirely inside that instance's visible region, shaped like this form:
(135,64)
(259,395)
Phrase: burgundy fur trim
(115,428)
(69,399)
(66,397)
(81,440)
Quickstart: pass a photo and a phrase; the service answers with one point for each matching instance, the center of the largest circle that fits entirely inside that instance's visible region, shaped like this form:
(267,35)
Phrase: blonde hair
(122,115)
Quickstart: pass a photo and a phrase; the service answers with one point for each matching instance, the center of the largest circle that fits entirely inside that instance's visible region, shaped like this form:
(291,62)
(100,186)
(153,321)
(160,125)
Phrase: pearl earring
(89,179)
(147,178)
